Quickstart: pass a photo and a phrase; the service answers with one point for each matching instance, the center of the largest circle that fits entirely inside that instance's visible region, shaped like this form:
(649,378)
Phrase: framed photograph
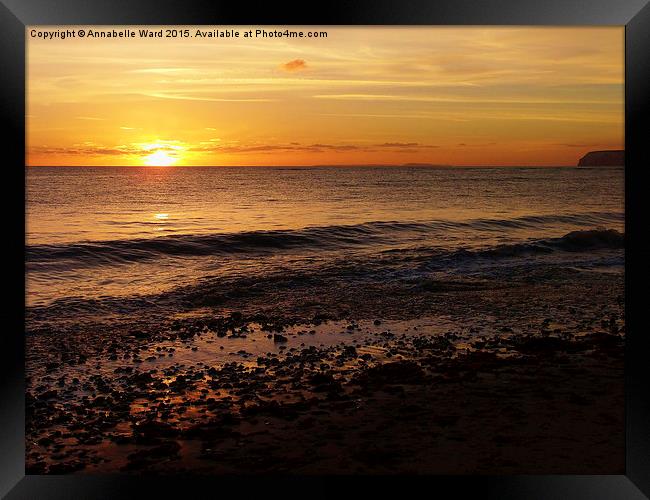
(325,248)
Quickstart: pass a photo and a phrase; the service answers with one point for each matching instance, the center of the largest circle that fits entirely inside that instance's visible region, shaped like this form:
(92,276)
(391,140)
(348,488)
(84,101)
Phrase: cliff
(612,158)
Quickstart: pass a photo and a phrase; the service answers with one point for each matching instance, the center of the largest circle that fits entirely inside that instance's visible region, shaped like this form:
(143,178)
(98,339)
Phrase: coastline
(457,378)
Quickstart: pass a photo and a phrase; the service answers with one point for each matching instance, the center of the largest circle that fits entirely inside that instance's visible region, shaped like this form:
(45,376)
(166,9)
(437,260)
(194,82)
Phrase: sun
(159,159)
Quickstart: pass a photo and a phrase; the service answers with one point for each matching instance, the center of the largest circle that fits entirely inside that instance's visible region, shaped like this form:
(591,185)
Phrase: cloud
(91,149)
(398,144)
(262,148)
(580,145)
(402,147)
(295,65)
(335,147)
(162,71)
(405,147)
(209,147)
(475,145)
(85,150)
(182,97)
(461,99)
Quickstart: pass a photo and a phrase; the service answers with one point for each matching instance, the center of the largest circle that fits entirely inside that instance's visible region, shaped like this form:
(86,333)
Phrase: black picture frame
(633,14)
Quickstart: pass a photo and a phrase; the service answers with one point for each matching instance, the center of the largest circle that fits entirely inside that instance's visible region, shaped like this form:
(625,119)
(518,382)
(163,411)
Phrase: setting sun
(159,159)
(389,96)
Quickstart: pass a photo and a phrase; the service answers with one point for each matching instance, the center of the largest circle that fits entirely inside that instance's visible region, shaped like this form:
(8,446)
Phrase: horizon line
(403,165)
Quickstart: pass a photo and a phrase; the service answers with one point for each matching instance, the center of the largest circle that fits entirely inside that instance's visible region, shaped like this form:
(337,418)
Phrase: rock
(51,394)
(51,366)
(324,382)
(603,340)
(541,345)
(609,158)
(397,372)
(154,429)
(45,441)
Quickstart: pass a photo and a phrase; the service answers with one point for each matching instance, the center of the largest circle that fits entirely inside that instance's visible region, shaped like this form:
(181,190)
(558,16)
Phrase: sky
(361,96)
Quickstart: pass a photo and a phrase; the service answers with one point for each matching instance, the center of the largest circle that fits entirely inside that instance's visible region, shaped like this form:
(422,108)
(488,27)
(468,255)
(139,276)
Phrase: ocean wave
(575,241)
(432,269)
(88,254)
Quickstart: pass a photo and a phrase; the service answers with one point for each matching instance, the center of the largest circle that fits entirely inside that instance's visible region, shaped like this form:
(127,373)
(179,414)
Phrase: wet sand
(441,377)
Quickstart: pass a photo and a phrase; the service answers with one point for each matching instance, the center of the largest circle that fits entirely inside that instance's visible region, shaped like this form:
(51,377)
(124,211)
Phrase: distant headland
(610,158)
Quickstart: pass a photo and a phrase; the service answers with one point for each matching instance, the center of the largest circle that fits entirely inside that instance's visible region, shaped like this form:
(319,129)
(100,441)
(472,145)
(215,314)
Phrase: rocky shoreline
(522,379)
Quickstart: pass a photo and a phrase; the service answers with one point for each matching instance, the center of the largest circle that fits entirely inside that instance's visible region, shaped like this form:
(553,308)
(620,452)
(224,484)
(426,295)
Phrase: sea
(106,236)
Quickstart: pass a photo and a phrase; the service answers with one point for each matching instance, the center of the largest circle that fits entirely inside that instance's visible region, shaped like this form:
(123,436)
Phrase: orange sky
(363,95)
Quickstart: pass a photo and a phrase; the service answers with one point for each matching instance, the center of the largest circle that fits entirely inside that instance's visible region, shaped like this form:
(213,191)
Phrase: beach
(473,334)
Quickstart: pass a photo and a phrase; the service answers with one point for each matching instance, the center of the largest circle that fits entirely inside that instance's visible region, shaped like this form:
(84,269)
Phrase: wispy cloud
(180,97)
(162,71)
(89,148)
(143,149)
(459,99)
(315,147)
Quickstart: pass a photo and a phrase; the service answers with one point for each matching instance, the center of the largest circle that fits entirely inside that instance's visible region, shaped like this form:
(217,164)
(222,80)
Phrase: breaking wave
(98,253)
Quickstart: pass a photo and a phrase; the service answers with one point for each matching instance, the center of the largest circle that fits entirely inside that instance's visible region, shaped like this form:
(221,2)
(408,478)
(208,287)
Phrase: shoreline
(451,380)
